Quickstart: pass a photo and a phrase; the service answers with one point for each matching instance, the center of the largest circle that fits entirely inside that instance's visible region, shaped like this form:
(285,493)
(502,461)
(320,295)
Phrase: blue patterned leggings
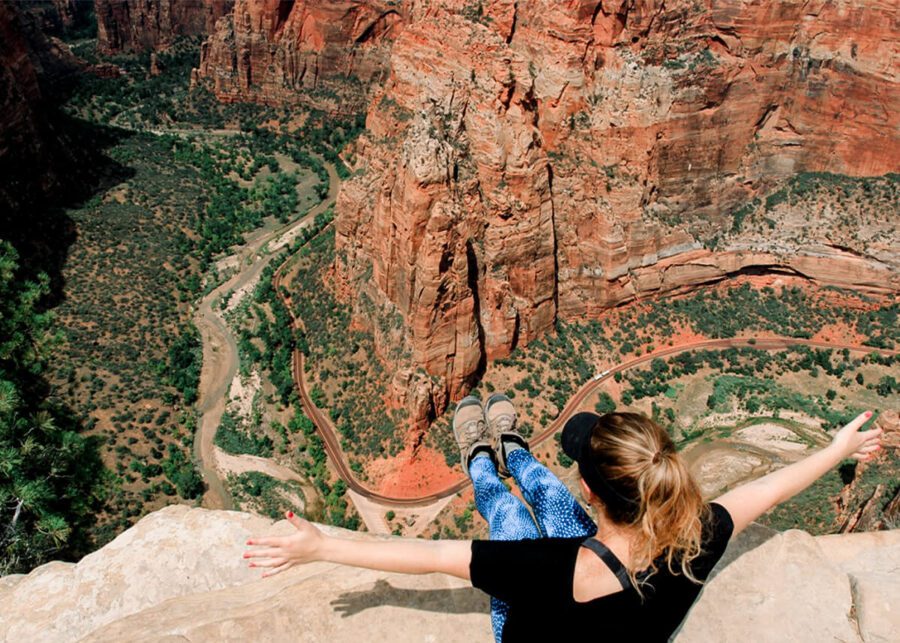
(557,512)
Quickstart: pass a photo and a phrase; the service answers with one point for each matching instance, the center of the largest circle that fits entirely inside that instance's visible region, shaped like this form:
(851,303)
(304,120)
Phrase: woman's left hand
(282,552)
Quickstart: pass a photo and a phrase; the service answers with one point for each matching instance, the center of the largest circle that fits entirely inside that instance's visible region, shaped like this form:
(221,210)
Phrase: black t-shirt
(534,577)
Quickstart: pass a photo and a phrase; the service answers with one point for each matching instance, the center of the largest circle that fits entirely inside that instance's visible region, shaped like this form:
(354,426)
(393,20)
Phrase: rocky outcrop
(550,160)
(33,152)
(324,54)
(795,587)
(178,573)
(138,25)
(878,508)
(56,16)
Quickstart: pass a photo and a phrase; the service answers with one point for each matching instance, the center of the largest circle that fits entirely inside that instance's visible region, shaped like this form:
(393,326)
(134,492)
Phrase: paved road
(332,444)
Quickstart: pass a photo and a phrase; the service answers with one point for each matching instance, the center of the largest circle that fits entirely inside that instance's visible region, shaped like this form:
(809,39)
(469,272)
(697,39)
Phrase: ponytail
(649,489)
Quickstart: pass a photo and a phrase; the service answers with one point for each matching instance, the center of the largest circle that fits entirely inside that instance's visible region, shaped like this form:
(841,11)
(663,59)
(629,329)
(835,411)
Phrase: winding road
(332,444)
(220,364)
(220,354)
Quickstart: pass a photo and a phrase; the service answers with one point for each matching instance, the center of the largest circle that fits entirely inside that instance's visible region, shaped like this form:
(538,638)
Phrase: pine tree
(49,474)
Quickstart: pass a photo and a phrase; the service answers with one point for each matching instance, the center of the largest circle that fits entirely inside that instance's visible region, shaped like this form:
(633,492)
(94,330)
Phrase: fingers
(264,553)
(295,520)
(277,570)
(274,541)
(859,420)
(269,562)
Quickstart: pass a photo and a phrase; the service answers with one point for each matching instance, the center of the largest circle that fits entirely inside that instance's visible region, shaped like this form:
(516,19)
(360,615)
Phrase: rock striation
(324,54)
(550,160)
(178,574)
(138,25)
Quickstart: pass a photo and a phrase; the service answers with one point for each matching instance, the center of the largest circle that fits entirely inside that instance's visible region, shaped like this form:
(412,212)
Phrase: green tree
(605,404)
(50,476)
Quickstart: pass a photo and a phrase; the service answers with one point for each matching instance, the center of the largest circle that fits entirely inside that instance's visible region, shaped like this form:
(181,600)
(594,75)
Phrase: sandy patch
(242,393)
(414,520)
(288,237)
(227,263)
(770,436)
(238,295)
(718,468)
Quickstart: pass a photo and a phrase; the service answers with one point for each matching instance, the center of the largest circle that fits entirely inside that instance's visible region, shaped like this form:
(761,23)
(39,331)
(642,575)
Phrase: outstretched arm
(749,501)
(407,556)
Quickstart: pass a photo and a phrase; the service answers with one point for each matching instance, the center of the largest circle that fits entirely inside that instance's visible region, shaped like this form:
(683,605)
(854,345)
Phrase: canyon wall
(324,54)
(34,156)
(533,161)
(137,25)
(56,16)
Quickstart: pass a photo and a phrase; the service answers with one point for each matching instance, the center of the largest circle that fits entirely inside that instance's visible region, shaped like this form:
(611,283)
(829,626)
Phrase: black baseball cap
(576,443)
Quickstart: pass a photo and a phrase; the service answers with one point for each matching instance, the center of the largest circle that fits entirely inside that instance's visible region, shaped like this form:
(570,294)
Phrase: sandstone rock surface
(795,587)
(137,25)
(550,160)
(325,54)
(178,575)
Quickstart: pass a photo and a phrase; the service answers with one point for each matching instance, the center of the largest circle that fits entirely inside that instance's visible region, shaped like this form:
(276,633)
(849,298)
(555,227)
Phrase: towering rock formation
(137,25)
(325,53)
(534,161)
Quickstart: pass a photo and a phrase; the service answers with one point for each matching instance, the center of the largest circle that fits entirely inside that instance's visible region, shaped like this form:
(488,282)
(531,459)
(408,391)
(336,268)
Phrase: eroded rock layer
(325,54)
(534,161)
(137,25)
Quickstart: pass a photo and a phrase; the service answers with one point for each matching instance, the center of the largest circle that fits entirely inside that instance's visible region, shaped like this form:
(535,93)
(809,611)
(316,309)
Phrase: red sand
(411,474)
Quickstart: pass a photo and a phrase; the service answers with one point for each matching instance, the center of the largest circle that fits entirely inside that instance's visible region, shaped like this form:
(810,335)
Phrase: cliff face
(549,160)
(325,54)
(178,574)
(137,25)
(32,154)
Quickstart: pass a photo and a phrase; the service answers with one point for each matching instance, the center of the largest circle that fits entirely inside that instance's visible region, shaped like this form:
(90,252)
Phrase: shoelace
(506,422)
(473,429)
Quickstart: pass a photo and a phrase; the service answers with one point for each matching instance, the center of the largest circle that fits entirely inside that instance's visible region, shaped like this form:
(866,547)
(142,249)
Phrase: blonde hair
(648,488)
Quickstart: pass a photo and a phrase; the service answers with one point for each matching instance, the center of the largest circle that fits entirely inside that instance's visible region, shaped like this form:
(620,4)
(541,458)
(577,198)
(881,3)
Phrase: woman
(635,574)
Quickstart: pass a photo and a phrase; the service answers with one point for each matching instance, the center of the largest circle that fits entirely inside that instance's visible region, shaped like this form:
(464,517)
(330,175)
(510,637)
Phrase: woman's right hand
(853,443)
(283,552)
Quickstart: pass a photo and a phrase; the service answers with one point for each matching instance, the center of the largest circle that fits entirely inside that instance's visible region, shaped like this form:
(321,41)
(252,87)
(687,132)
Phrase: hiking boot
(470,430)
(500,416)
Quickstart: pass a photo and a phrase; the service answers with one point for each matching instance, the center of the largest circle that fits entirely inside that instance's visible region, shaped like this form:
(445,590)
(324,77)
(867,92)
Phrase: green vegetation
(791,312)
(181,471)
(51,477)
(748,375)
(232,436)
(805,184)
(339,360)
(264,494)
(185,360)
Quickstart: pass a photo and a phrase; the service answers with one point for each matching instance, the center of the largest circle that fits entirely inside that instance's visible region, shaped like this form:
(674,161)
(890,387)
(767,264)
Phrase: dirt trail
(220,355)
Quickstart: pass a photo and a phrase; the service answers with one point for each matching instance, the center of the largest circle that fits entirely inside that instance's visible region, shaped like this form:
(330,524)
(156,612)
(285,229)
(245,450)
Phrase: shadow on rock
(462,600)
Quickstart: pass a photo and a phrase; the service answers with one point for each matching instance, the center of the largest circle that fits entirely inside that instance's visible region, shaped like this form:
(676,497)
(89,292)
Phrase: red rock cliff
(321,53)
(530,161)
(137,25)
